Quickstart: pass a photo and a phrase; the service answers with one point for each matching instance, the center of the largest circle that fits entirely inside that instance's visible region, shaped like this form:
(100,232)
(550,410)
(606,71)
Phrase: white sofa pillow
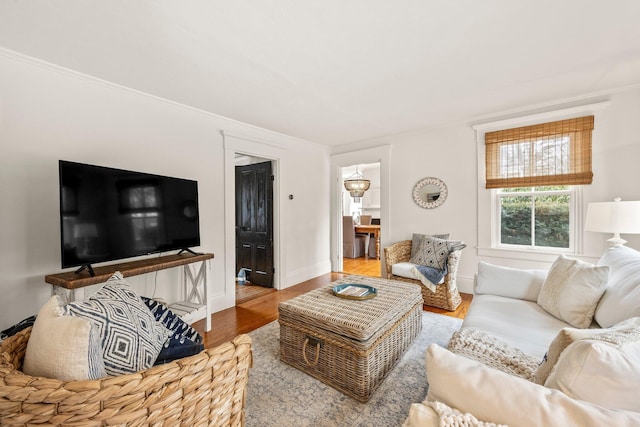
(604,371)
(509,282)
(495,396)
(621,299)
(572,290)
(567,336)
(63,347)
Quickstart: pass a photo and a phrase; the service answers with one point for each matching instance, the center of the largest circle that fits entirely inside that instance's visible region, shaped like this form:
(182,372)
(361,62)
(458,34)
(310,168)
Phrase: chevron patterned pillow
(131,337)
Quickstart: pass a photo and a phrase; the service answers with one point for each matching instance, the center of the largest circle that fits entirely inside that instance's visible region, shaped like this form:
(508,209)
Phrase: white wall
(449,153)
(48,113)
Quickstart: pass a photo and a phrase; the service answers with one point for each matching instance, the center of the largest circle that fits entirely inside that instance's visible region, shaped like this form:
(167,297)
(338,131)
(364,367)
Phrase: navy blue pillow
(183,340)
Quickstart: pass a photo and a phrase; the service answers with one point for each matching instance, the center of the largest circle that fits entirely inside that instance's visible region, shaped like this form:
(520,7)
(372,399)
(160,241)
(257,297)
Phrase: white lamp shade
(613,217)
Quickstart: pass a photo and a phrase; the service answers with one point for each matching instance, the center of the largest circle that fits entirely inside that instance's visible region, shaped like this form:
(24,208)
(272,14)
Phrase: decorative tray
(354,291)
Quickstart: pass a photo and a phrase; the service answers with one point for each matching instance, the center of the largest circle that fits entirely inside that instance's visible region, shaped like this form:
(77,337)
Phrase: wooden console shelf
(72,281)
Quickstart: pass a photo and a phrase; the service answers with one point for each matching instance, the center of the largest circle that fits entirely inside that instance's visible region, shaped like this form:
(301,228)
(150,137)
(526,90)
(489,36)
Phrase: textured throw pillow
(63,347)
(433,252)
(416,241)
(183,339)
(568,336)
(604,371)
(131,338)
(572,290)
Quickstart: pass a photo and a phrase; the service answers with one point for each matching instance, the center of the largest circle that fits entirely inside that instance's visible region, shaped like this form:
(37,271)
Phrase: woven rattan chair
(446,296)
(207,389)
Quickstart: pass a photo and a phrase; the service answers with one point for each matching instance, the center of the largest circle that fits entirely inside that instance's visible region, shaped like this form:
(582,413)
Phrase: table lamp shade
(614,217)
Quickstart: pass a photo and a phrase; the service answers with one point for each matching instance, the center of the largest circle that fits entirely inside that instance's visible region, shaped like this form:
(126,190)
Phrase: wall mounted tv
(108,214)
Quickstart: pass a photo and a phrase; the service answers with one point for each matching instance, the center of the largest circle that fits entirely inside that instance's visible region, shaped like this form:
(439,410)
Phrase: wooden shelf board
(72,280)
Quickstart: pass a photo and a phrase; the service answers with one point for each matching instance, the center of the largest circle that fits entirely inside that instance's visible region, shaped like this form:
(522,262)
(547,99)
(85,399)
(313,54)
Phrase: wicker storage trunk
(350,345)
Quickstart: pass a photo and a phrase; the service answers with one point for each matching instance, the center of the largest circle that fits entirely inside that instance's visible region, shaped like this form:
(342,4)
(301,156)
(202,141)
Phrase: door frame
(381,155)
(273,152)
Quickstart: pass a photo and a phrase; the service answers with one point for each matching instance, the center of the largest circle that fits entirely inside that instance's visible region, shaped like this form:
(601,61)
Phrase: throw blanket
(479,345)
(431,259)
(429,276)
(451,417)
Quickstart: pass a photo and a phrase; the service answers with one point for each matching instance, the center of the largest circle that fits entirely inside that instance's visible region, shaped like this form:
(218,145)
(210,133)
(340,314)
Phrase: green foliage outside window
(551,219)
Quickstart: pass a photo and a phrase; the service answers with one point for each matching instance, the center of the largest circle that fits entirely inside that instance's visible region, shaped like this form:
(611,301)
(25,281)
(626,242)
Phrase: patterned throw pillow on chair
(433,252)
(131,337)
(416,241)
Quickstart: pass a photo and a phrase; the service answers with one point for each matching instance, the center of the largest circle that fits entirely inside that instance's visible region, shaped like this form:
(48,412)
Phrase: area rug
(280,395)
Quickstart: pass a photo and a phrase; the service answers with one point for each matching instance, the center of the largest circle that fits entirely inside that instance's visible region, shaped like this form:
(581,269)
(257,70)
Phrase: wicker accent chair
(446,296)
(207,389)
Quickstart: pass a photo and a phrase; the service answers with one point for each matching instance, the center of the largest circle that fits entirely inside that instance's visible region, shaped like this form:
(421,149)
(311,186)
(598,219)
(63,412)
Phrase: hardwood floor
(257,310)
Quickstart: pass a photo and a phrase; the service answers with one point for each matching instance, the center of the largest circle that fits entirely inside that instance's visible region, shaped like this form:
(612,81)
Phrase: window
(536,217)
(534,171)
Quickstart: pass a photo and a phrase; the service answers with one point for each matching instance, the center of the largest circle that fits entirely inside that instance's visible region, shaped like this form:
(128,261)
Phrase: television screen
(108,214)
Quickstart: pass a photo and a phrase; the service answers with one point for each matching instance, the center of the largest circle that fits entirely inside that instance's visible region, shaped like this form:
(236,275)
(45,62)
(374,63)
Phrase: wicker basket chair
(446,296)
(207,389)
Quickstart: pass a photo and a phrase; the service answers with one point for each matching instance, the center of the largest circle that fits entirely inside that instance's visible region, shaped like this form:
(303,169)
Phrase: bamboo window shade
(554,153)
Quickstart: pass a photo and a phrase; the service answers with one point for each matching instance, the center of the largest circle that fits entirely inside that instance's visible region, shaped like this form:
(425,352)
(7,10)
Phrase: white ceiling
(339,71)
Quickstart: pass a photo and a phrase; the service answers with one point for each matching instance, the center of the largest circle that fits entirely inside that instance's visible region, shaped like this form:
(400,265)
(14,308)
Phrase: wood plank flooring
(252,312)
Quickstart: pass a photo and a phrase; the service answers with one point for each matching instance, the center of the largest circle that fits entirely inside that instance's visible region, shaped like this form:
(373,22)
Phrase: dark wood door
(254,222)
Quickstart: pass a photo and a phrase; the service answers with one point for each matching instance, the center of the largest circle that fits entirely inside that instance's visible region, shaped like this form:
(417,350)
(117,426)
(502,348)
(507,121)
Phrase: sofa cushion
(603,372)
(521,324)
(567,336)
(495,396)
(509,282)
(66,348)
(131,338)
(621,299)
(405,269)
(572,290)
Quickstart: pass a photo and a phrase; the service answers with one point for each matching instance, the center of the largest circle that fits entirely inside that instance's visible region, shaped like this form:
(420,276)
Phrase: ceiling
(339,71)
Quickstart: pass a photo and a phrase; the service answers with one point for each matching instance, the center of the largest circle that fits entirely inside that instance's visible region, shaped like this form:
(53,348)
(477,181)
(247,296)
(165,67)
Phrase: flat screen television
(108,214)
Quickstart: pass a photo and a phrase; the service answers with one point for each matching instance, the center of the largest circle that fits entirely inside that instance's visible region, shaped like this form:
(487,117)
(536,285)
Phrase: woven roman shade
(555,153)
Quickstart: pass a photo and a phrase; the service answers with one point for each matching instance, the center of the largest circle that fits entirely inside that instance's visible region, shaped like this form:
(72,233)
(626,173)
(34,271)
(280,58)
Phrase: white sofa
(593,381)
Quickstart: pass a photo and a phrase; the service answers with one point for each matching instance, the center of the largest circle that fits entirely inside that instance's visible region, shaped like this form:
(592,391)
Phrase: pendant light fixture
(356,185)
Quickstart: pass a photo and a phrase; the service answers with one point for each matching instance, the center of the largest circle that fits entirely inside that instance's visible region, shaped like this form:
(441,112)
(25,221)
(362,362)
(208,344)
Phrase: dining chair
(353,245)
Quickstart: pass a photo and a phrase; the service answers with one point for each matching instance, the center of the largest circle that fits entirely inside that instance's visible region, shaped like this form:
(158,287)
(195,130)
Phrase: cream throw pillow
(572,290)
(495,396)
(63,347)
(601,372)
(568,336)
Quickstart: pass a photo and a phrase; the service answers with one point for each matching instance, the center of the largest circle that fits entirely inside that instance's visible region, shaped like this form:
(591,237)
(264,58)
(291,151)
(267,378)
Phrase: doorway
(364,210)
(379,155)
(254,222)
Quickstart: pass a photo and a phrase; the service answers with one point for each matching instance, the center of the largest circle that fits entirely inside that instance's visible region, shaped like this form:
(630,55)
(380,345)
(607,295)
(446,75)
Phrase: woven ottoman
(350,345)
